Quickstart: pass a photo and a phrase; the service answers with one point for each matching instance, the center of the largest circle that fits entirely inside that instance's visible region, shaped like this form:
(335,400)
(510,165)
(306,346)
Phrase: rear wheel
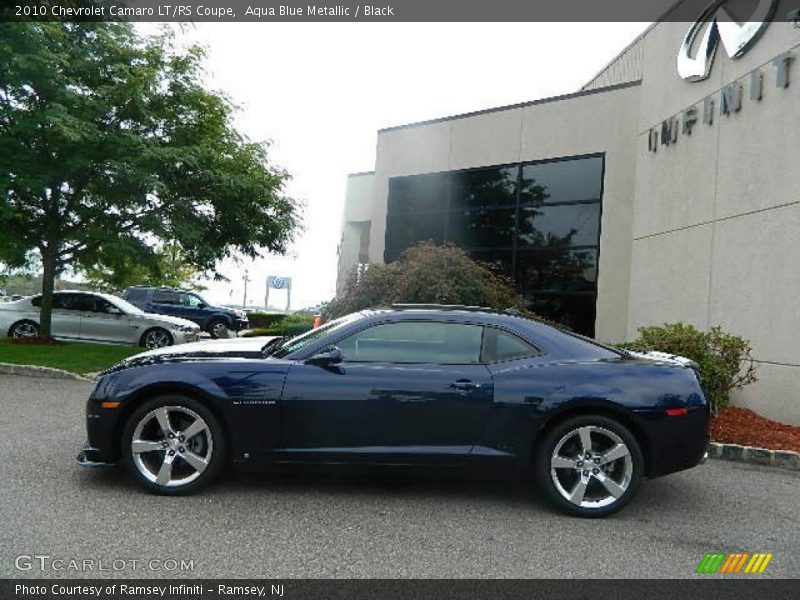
(218,328)
(589,466)
(173,445)
(24,329)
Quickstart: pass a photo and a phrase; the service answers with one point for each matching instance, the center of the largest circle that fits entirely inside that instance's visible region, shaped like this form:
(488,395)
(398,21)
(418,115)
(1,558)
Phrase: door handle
(465,385)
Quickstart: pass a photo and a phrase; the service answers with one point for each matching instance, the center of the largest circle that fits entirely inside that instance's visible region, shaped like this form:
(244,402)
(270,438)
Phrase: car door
(103,321)
(66,316)
(406,392)
(193,307)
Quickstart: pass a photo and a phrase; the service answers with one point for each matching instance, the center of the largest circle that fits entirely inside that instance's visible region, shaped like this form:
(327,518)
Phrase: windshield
(124,305)
(292,345)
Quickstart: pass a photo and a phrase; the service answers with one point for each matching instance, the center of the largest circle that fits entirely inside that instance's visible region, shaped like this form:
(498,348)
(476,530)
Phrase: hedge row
(285,325)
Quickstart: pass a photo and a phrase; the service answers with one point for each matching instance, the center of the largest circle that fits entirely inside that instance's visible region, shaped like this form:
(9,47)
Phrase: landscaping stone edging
(34,371)
(756,456)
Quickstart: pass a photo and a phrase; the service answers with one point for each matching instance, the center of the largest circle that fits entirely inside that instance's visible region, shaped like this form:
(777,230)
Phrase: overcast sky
(319,92)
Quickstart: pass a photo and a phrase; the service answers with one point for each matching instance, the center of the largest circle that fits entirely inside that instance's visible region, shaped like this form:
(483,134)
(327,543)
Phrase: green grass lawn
(76,357)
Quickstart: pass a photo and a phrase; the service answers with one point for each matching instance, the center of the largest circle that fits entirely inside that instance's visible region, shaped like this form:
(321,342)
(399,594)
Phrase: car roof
(561,341)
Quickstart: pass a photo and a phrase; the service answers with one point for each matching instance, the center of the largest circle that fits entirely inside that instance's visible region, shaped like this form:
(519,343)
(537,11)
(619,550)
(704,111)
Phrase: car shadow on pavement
(672,493)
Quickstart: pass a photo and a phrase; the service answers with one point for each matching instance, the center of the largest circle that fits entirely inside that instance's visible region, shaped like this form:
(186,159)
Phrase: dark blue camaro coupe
(410,386)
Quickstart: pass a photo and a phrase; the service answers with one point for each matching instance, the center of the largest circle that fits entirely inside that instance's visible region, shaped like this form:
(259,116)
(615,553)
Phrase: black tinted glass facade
(537,222)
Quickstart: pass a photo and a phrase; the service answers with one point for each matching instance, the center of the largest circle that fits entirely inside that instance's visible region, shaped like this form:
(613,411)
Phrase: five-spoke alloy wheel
(173,445)
(589,465)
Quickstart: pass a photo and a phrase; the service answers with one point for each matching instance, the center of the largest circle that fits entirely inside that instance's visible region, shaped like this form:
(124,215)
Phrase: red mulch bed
(36,341)
(734,425)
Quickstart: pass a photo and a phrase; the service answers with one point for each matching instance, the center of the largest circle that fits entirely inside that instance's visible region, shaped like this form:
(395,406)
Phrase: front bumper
(182,337)
(240,324)
(90,457)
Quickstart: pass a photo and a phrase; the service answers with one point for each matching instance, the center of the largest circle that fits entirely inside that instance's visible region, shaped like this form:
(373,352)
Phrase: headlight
(188,328)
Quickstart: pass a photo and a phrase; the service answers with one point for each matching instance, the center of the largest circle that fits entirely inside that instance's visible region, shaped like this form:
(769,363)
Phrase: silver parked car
(96,317)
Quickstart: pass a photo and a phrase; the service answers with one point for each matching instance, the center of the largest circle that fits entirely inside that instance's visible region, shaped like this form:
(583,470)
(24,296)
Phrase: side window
(190,300)
(500,345)
(415,342)
(65,301)
(77,302)
(101,305)
(135,295)
(166,297)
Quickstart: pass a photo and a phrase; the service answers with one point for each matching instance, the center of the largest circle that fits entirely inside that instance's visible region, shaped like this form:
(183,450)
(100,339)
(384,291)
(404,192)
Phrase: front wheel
(589,466)
(156,338)
(173,445)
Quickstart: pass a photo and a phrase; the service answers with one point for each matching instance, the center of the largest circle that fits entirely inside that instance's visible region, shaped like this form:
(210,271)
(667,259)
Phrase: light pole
(246,279)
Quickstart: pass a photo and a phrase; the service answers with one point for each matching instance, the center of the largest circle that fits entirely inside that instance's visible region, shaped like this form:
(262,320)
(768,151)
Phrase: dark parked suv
(216,320)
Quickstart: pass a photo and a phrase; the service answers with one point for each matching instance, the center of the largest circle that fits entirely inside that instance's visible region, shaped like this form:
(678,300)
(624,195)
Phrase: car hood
(241,347)
(165,319)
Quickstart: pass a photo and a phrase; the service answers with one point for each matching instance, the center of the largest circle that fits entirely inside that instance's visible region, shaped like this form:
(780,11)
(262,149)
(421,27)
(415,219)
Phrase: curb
(783,459)
(43,372)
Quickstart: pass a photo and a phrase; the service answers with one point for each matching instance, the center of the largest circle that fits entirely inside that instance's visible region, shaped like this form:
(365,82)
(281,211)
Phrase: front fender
(244,394)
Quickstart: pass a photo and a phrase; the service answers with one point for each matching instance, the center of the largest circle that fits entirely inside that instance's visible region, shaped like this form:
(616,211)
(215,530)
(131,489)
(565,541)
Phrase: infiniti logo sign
(716,23)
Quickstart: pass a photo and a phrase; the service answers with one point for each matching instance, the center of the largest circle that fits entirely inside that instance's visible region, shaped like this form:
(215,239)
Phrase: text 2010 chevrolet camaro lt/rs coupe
(410,386)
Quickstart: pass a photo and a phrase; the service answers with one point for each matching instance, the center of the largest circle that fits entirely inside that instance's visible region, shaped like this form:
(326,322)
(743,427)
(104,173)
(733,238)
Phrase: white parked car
(96,317)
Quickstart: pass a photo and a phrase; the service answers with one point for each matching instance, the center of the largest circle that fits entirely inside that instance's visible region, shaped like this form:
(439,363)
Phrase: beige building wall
(356,222)
(717,214)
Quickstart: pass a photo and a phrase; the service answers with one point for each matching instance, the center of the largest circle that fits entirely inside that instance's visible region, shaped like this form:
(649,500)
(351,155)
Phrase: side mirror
(326,357)
(201,305)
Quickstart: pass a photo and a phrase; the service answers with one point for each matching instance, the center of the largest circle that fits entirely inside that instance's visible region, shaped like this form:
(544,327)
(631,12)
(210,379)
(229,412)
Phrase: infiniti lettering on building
(717,25)
(726,101)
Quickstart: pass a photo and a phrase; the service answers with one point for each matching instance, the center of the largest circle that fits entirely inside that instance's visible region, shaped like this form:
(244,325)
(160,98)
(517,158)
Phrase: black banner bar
(705,587)
(381,10)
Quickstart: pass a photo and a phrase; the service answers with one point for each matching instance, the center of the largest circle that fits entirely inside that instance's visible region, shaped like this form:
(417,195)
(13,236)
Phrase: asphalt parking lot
(357,526)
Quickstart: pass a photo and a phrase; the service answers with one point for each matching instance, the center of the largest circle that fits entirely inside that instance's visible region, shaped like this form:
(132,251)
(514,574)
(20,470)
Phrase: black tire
(144,465)
(622,475)
(16,330)
(162,333)
(218,328)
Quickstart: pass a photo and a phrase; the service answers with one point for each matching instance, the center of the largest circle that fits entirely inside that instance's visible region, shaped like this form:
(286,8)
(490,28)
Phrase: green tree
(426,273)
(169,268)
(111,144)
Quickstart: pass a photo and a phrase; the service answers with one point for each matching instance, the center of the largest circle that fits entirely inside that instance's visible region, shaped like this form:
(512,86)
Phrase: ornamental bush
(262,320)
(287,325)
(426,274)
(725,359)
